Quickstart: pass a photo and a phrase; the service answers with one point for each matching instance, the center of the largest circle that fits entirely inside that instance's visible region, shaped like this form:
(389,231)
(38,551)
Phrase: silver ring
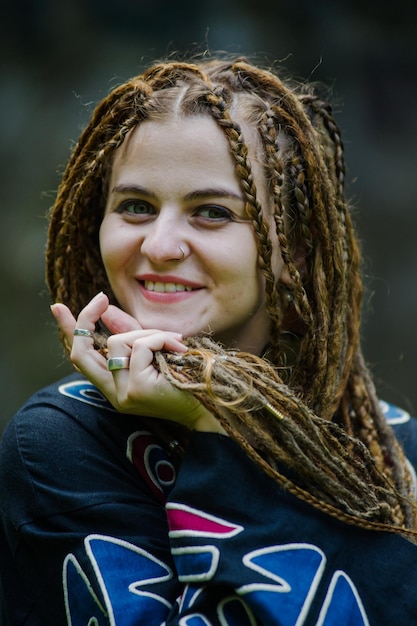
(118,363)
(182,253)
(83,332)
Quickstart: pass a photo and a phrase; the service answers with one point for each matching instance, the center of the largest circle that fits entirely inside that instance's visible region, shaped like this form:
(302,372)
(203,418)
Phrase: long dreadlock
(310,409)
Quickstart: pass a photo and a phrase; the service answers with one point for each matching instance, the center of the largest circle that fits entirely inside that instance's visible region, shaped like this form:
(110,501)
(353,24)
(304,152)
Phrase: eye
(214,213)
(139,208)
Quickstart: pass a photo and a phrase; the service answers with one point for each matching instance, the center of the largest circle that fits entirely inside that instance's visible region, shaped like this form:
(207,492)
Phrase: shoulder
(52,421)
(404,426)
(55,416)
(66,442)
(62,428)
(71,393)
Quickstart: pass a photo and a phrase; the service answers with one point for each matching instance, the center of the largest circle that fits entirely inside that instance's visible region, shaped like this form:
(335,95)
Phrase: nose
(163,241)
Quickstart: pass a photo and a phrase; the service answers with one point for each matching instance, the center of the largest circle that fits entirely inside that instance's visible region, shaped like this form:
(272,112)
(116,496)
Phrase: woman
(220,456)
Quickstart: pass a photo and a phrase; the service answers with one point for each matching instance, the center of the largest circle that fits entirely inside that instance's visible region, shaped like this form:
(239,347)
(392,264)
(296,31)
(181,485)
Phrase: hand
(141,389)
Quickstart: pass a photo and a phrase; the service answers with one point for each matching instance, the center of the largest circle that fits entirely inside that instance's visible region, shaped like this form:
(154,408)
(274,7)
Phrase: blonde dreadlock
(314,413)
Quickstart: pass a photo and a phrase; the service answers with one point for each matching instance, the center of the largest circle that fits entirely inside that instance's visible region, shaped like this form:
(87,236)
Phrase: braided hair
(305,411)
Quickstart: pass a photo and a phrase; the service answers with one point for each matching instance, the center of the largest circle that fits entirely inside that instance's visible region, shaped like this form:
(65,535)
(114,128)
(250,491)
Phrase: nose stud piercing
(182,253)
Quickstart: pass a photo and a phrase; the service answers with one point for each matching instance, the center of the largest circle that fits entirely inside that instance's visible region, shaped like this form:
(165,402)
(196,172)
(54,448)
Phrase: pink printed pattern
(186,521)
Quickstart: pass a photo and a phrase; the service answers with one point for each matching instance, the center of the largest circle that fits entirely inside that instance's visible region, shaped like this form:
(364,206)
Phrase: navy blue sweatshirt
(98,528)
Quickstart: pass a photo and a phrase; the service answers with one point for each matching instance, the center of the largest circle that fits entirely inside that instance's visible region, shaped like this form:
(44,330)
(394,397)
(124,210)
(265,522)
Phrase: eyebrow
(136,189)
(216,192)
(209,192)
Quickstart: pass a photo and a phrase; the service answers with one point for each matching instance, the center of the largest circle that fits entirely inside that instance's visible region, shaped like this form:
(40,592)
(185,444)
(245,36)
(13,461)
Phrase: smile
(150,285)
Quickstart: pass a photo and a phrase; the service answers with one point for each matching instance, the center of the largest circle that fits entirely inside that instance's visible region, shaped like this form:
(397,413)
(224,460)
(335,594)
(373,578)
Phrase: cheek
(252,278)
(113,246)
(249,279)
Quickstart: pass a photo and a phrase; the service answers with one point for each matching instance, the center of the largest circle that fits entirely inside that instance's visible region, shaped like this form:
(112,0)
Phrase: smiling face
(173,185)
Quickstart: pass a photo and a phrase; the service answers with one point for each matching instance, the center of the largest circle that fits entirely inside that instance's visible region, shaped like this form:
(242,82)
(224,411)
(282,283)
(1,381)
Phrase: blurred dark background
(59,58)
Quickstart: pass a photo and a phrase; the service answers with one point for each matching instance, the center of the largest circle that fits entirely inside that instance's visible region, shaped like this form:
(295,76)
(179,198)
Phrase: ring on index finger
(118,363)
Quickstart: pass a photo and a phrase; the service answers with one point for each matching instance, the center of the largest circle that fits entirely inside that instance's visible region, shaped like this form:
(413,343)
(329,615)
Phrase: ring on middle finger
(83,332)
(118,363)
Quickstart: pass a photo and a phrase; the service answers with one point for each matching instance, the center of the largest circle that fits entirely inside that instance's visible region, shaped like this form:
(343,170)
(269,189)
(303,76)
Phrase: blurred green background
(59,58)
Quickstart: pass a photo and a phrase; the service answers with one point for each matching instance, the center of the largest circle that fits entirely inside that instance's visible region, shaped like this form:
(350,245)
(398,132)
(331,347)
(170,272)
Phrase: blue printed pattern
(285,585)
(393,414)
(84,391)
(127,576)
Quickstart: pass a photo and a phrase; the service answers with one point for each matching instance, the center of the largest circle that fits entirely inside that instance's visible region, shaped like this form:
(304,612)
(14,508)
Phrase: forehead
(200,126)
(193,147)
(187,143)
(197,129)
(174,158)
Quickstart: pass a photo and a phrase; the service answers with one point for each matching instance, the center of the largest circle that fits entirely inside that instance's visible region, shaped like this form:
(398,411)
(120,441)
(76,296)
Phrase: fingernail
(55,311)
(97,296)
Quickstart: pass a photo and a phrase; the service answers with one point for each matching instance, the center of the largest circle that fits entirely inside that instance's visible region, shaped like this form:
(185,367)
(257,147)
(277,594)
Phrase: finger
(65,320)
(118,364)
(91,313)
(143,348)
(139,386)
(84,357)
(86,320)
(139,347)
(117,321)
(121,344)
(86,323)
(151,339)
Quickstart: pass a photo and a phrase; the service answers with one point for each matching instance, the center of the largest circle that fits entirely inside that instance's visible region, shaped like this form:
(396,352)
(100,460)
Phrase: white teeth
(150,285)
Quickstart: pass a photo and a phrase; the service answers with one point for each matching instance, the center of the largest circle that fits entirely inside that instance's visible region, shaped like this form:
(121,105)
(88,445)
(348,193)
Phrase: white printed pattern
(130,594)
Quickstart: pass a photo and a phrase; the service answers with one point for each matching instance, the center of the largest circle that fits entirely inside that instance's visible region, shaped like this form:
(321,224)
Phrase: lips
(161,287)
(167,288)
